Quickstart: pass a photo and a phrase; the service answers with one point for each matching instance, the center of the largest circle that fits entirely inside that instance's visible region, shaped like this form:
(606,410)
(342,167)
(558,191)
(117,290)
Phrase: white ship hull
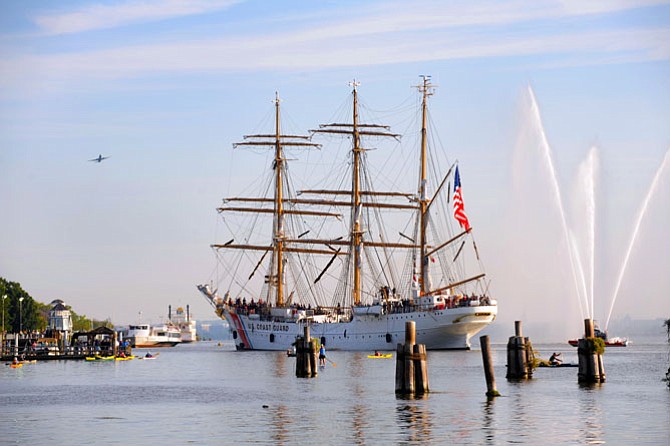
(188,334)
(448,329)
(153,341)
(145,336)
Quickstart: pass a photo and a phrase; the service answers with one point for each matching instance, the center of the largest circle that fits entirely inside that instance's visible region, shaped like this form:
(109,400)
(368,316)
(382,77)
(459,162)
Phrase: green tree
(21,311)
(33,315)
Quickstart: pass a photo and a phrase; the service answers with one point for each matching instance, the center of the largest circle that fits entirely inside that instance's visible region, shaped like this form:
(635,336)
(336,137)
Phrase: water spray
(574,256)
(636,230)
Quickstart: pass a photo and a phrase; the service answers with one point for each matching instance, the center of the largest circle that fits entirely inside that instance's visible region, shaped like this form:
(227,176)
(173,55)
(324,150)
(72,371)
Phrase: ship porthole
(389,338)
(272,337)
(323,340)
(234,334)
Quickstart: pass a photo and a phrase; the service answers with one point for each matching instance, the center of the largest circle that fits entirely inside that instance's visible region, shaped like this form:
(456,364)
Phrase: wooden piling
(589,351)
(421,368)
(519,354)
(399,368)
(306,356)
(411,366)
(408,371)
(410,332)
(589,331)
(491,390)
(313,355)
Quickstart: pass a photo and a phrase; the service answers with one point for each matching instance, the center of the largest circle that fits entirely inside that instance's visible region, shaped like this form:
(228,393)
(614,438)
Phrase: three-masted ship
(352,287)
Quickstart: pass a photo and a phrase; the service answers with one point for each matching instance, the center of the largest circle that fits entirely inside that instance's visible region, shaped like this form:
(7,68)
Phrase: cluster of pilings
(520,355)
(521,358)
(306,353)
(411,370)
(591,367)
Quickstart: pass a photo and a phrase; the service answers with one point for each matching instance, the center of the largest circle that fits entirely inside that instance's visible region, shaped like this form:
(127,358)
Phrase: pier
(101,341)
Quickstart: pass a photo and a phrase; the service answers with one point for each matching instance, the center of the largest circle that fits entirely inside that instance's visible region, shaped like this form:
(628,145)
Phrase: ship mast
(356,130)
(279,207)
(356,234)
(426,90)
(278,248)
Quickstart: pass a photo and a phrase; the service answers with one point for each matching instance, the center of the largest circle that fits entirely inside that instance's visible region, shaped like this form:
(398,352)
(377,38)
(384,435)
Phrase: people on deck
(322,355)
(554,359)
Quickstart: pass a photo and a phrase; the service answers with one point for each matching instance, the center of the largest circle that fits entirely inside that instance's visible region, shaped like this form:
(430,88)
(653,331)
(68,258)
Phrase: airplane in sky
(99,158)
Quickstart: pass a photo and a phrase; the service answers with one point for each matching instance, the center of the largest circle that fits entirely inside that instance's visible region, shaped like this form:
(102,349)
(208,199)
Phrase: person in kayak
(554,359)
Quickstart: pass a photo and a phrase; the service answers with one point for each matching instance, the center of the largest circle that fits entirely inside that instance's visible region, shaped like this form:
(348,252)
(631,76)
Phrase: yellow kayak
(124,358)
(99,358)
(382,356)
(16,366)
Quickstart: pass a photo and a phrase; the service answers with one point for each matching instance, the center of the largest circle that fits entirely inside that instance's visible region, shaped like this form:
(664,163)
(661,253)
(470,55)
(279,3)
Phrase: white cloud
(317,51)
(94,17)
(436,32)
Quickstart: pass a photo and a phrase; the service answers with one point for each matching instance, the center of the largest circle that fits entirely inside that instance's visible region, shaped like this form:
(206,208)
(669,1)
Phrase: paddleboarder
(322,355)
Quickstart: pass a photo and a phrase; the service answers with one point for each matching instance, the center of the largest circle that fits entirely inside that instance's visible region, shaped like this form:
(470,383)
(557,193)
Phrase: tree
(31,315)
(19,313)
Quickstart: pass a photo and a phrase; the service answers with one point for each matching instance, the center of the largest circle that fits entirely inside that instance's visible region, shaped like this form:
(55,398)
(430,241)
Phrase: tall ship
(185,323)
(332,258)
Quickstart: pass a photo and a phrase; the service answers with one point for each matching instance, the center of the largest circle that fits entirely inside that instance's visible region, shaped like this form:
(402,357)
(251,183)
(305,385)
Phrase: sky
(165,87)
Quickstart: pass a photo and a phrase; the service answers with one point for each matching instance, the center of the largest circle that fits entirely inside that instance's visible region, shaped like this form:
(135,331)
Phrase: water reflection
(591,430)
(488,424)
(280,366)
(358,413)
(280,426)
(359,424)
(357,365)
(414,418)
(522,422)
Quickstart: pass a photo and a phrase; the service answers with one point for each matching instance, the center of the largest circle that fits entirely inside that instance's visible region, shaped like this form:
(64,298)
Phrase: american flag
(459,211)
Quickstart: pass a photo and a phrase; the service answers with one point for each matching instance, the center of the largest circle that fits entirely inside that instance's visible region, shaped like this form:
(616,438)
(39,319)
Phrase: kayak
(16,366)
(124,358)
(382,356)
(100,358)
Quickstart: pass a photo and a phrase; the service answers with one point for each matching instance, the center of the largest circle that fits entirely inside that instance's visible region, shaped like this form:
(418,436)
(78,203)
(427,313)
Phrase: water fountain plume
(636,230)
(593,164)
(586,194)
(574,255)
(582,302)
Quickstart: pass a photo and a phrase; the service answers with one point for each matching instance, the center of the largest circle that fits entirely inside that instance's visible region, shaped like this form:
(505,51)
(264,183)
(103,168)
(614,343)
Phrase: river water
(206,393)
